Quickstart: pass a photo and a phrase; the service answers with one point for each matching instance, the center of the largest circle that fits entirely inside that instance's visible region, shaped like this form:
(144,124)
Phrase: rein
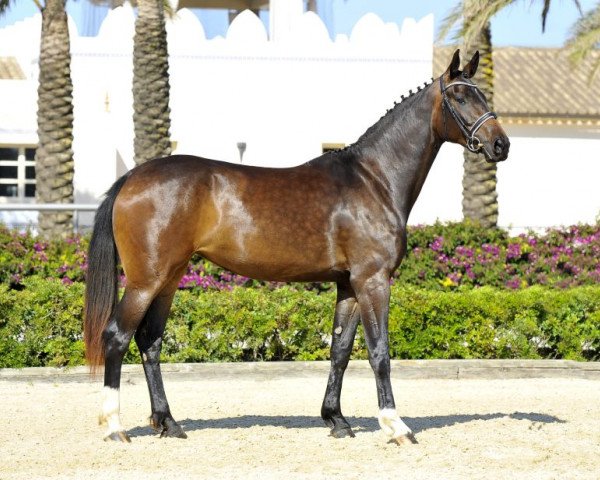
(473,143)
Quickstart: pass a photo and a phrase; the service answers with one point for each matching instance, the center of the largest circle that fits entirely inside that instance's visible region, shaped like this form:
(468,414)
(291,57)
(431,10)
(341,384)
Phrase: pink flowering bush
(440,257)
(23,255)
(446,256)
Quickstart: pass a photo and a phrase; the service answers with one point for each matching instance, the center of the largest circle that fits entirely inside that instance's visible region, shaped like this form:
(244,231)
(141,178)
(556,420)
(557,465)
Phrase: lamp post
(242,148)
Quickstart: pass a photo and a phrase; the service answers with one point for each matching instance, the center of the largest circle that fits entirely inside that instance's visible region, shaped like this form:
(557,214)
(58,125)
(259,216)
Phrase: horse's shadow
(359,424)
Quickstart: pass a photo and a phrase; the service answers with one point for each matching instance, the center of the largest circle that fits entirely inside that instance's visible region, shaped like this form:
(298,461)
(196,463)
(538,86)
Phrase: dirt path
(269,427)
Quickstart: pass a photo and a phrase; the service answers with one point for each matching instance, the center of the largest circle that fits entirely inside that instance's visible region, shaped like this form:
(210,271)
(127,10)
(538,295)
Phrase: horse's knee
(339,365)
(380,362)
(149,349)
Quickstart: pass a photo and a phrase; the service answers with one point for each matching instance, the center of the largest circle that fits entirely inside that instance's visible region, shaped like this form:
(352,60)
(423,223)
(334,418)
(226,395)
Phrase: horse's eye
(461,100)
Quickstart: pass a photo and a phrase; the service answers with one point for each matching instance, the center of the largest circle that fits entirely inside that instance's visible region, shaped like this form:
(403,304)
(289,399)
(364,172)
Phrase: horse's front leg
(344,328)
(373,294)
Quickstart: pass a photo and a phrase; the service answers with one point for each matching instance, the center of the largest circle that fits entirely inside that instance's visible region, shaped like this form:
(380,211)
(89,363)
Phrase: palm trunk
(151,83)
(54,166)
(480,200)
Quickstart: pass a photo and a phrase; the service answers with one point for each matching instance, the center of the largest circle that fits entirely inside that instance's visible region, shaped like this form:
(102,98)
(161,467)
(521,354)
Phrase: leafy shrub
(41,324)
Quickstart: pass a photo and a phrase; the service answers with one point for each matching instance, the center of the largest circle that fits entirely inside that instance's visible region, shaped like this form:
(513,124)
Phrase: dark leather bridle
(473,143)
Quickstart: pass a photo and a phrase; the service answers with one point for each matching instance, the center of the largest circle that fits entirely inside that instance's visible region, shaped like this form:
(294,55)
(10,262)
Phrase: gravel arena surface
(252,426)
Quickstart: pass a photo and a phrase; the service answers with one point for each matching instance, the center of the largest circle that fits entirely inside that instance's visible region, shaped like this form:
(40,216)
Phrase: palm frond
(476,19)
(546,9)
(453,17)
(585,38)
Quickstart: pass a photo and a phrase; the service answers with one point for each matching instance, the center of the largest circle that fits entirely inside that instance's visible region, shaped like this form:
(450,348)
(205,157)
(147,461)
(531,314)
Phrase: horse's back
(261,222)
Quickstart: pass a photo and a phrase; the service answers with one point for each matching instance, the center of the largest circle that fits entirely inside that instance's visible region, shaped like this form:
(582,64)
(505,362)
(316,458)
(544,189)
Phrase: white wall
(441,196)
(285,99)
(552,176)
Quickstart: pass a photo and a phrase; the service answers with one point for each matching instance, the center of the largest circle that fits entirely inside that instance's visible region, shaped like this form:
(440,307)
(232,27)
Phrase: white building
(279,98)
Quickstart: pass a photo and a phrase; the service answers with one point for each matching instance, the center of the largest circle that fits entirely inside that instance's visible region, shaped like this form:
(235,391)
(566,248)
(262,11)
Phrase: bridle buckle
(474,144)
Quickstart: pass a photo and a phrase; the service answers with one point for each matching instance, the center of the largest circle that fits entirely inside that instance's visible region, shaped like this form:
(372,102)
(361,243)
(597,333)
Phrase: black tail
(101,287)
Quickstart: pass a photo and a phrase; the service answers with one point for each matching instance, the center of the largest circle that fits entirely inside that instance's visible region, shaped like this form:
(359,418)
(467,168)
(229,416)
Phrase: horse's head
(463,115)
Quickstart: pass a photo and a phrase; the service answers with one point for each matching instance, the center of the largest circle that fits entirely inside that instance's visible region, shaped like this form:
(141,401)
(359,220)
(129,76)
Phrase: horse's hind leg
(117,336)
(149,341)
(344,329)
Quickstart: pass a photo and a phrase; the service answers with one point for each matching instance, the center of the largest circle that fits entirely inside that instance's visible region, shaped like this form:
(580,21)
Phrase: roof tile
(537,82)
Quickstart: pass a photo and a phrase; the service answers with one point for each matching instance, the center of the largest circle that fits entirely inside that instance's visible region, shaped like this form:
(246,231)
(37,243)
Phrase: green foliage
(249,324)
(41,324)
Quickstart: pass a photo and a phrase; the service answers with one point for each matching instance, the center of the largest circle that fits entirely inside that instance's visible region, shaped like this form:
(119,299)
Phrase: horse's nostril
(498,146)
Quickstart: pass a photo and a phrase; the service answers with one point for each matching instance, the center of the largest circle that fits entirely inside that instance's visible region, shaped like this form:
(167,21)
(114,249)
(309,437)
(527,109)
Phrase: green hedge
(41,324)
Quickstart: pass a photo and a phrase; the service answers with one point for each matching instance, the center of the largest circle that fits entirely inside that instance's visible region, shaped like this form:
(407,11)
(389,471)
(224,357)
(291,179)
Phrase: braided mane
(406,101)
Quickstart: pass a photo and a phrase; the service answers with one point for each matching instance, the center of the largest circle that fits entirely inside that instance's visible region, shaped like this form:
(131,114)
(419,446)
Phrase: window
(17,172)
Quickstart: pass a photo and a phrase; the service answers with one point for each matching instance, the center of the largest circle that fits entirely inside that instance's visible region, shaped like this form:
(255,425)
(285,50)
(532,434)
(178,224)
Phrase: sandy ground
(270,428)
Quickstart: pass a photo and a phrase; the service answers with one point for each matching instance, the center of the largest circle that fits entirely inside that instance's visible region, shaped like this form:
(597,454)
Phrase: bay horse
(339,218)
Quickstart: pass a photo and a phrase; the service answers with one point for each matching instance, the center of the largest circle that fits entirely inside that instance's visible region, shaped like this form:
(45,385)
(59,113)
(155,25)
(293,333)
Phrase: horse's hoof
(166,426)
(342,432)
(120,436)
(174,431)
(405,439)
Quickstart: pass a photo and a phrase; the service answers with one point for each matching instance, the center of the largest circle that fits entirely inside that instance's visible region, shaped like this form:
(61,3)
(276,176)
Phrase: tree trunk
(151,117)
(480,200)
(54,166)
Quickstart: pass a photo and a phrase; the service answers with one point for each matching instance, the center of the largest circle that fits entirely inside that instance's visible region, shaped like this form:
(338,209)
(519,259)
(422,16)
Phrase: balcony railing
(52,207)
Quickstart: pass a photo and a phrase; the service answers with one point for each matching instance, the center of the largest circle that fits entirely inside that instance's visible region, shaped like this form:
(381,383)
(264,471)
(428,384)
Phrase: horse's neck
(401,152)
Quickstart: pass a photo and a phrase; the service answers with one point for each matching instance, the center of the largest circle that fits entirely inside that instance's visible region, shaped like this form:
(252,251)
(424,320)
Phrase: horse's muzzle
(497,152)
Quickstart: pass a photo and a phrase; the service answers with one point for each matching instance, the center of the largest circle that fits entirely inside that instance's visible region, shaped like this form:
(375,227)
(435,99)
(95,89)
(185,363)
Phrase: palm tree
(151,117)
(54,166)
(480,200)
(585,39)
(151,112)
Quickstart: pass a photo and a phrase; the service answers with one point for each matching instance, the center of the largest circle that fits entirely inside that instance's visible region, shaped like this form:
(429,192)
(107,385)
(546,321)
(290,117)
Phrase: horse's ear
(454,67)
(471,67)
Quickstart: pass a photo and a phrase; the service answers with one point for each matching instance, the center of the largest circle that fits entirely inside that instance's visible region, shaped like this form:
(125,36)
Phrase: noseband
(473,143)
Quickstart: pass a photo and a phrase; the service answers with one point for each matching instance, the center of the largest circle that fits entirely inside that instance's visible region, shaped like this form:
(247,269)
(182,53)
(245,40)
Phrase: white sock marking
(392,424)
(110,409)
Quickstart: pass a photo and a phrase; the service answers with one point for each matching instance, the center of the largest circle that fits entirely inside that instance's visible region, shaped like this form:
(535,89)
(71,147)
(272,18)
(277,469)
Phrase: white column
(282,15)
